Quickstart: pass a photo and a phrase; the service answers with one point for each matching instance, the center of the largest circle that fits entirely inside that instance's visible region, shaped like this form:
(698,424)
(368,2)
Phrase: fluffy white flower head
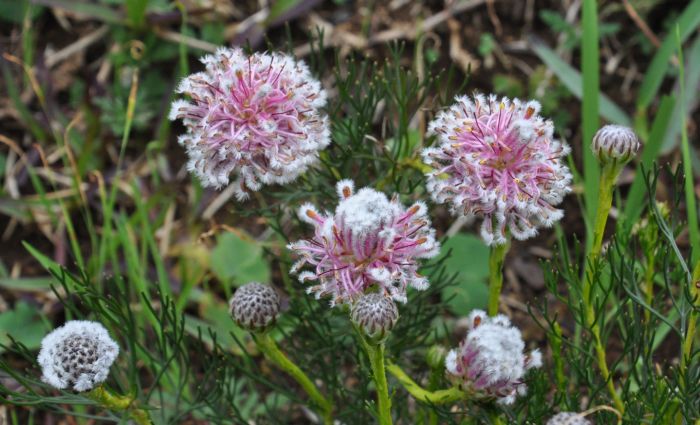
(256,116)
(77,355)
(498,159)
(490,360)
(368,243)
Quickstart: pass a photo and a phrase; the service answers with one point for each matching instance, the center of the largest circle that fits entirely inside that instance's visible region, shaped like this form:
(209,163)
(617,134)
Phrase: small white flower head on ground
(77,355)
(497,159)
(569,418)
(375,314)
(257,116)
(254,306)
(370,243)
(615,143)
(490,361)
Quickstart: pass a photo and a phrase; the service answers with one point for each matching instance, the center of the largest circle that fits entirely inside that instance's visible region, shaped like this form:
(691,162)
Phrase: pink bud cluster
(490,361)
(497,159)
(257,116)
(369,241)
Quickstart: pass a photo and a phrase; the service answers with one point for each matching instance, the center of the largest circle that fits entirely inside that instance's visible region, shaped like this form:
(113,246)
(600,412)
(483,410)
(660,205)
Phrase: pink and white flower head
(257,116)
(490,362)
(369,241)
(497,159)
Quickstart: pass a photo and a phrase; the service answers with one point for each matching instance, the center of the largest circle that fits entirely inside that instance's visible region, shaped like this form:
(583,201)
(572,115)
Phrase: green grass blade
(687,23)
(635,197)
(572,80)
(692,84)
(136,12)
(92,10)
(591,91)
(691,205)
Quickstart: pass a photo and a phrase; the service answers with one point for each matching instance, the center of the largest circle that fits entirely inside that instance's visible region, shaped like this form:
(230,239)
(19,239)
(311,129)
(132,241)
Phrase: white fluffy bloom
(369,241)
(568,418)
(258,117)
(77,355)
(498,159)
(491,361)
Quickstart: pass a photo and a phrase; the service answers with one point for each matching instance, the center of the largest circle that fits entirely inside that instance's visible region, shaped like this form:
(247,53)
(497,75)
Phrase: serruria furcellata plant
(355,233)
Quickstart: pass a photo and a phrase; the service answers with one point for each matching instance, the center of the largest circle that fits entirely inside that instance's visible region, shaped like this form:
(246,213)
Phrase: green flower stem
(119,403)
(268,347)
(692,319)
(496,418)
(649,283)
(608,177)
(421,394)
(496,258)
(375,352)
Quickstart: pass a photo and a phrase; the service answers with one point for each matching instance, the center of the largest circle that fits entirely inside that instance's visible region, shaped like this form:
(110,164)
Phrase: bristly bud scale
(255,307)
(369,243)
(257,116)
(497,159)
(375,314)
(490,362)
(77,355)
(615,144)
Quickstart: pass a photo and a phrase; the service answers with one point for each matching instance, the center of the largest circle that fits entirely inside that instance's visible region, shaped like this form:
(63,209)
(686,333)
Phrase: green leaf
(571,78)
(412,143)
(656,72)
(27,283)
(634,206)
(45,261)
(280,8)
(470,260)
(239,259)
(92,10)
(23,324)
(14,11)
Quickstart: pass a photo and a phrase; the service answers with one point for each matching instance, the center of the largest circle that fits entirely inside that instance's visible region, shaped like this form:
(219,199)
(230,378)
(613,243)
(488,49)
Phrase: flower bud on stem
(255,308)
(614,146)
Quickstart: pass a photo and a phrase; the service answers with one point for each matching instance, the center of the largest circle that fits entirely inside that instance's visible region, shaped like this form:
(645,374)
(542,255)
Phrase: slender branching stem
(269,348)
(605,196)
(449,395)
(119,404)
(496,258)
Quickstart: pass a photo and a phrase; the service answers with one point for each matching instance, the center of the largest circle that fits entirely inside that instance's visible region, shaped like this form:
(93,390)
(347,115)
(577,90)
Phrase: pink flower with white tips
(490,362)
(370,241)
(498,159)
(257,116)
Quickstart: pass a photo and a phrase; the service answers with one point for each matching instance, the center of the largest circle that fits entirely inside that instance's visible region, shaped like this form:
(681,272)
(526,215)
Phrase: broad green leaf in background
(24,324)
(239,260)
(470,259)
(413,139)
